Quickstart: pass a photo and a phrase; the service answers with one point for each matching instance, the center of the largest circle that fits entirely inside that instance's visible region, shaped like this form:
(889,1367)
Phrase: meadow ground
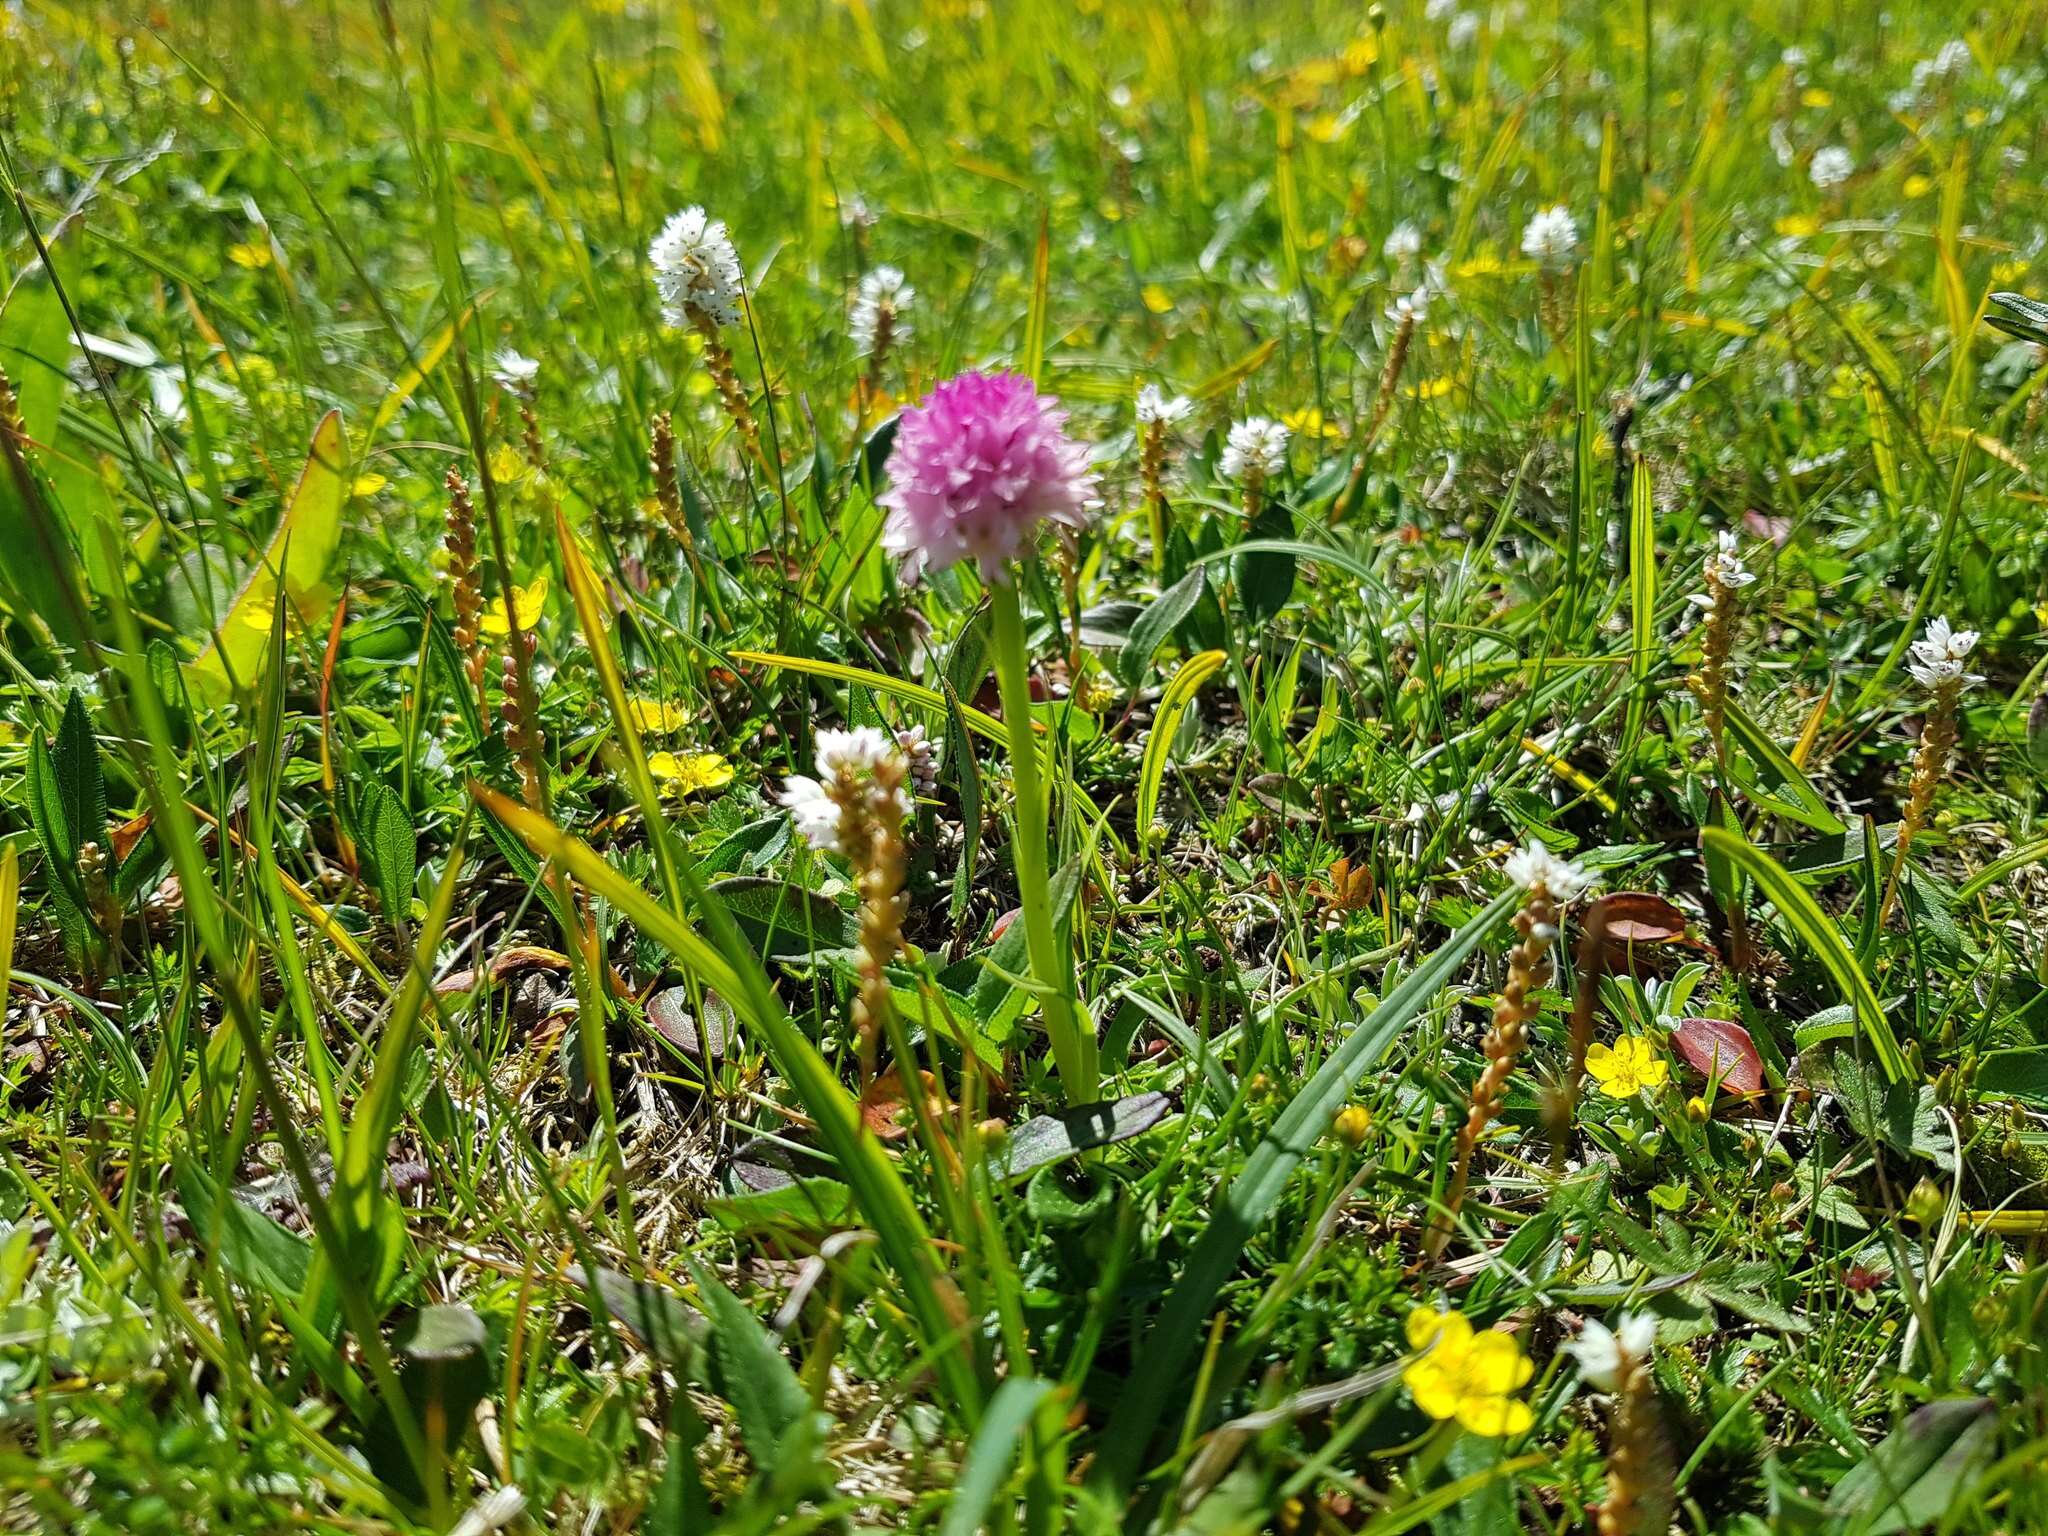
(643,894)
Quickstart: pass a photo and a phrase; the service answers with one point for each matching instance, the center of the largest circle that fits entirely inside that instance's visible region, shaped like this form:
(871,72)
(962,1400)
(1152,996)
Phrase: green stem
(1073,1049)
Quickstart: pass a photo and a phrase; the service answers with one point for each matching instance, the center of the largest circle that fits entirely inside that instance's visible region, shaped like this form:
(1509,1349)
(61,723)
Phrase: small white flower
(696,270)
(1793,58)
(514,373)
(813,809)
(1602,1351)
(1831,166)
(1938,656)
(1437,10)
(1463,28)
(1257,446)
(854,213)
(883,293)
(1409,308)
(1404,243)
(1552,239)
(860,750)
(1156,406)
(1724,566)
(1536,868)
(921,754)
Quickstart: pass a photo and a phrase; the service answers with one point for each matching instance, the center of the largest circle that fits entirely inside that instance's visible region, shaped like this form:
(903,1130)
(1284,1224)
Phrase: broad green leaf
(1916,1474)
(1048,1139)
(294,565)
(1162,616)
(389,845)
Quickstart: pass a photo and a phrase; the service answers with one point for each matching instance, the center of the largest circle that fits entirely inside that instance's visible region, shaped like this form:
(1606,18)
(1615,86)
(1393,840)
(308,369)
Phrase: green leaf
(81,786)
(444,1371)
(294,565)
(1248,1200)
(1820,936)
(1916,1474)
(1180,693)
(1806,804)
(1265,567)
(1159,620)
(989,1455)
(389,846)
(748,1370)
(1047,1139)
(785,921)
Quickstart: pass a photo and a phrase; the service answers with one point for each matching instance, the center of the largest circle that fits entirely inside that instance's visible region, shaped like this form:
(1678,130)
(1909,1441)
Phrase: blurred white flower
(1410,308)
(1256,446)
(1831,166)
(1404,243)
(491,1513)
(1155,405)
(1463,28)
(1602,1352)
(514,373)
(1938,656)
(696,270)
(884,296)
(1552,239)
(1536,868)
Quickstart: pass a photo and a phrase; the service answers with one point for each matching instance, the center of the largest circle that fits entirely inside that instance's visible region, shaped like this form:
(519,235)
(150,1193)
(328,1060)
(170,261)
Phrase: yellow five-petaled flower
(1468,1376)
(1630,1066)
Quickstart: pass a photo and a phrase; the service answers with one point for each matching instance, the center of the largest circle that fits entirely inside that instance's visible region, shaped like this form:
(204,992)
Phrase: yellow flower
(507,467)
(1798,225)
(368,485)
(1467,1376)
(1627,1069)
(1157,299)
(252,255)
(684,773)
(1814,96)
(527,602)
(1918,185)
(656,717)
(1310,423)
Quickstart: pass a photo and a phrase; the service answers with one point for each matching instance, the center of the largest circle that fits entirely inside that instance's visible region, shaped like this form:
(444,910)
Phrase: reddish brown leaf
(1715,1044)
(1637,917)
(127,835)
(887,1111)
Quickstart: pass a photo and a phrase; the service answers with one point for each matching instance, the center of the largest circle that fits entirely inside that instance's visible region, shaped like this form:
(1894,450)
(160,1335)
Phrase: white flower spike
(1939,654)
(696,270)
(1156,406)
(1552,239)
(883,292)
(1257,446)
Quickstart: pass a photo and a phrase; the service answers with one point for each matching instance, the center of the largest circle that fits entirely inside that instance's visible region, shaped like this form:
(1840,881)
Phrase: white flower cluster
(1938,656)
(1552,239)
(847,762)
(1724,570)
(1831,166)
(1535,868)
(696,270)
(1605,1353)
(1404,243)
(883,294)
(1156,407)
(1257,447)
(514,373)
